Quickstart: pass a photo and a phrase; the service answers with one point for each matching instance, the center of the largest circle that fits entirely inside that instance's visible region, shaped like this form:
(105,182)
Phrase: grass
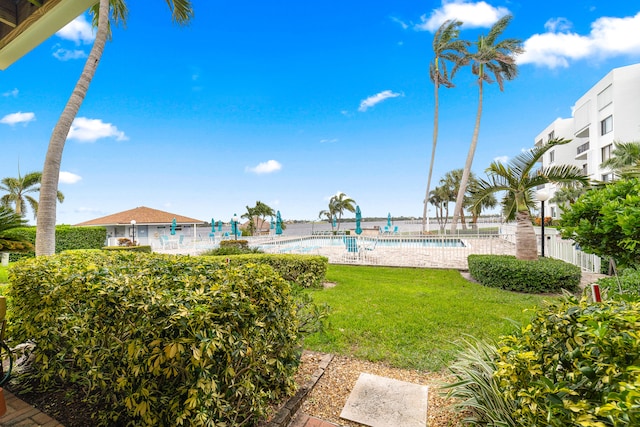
(411,318)
(3,274)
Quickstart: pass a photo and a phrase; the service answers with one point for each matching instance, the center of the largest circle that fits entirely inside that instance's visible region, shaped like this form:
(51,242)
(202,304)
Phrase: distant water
(405,226)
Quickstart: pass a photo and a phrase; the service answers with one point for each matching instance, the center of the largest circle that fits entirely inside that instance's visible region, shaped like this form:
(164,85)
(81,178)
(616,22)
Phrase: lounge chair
(353,250)
(395,229)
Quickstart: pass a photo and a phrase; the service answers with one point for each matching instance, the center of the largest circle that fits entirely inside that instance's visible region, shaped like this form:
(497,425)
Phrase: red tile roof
(142,215)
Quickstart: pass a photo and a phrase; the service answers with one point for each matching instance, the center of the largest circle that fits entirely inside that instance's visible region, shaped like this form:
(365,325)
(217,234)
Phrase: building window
(606,153)
(585,170)
(606,125)
(553,212)
(552,135)
(607,177)
(552,156)
(605,97)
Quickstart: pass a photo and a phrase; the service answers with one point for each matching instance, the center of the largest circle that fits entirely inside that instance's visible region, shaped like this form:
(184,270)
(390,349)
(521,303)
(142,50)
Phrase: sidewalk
(21,414)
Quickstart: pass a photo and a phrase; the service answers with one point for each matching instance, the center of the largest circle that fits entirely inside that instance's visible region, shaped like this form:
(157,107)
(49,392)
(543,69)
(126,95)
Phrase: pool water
(309,243)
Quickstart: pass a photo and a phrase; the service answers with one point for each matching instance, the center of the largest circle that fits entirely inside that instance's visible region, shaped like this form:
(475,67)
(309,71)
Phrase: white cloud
(377,98)
(328,141)
(472,14)
(19,117)
(79,31)
(400,22)
(608,37)
(12,93)
(501,159)
(265,167)
(68,178)
(90,130)
(555,25)
(66,54)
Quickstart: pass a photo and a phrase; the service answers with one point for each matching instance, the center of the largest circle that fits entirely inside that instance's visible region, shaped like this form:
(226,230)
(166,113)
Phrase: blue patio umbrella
(278,223)
(213,226)
(233,225)
(358,220)
(219,225)
(389,219)
(273,224)
(334,221)
(173,227)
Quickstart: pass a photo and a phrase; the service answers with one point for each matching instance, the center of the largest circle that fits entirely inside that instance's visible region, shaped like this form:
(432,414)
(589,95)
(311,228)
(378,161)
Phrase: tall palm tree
(340,203)
(18,190)
(182,12)
(451,182)
(624,160)
(518,180)
(492,57)
(446,47)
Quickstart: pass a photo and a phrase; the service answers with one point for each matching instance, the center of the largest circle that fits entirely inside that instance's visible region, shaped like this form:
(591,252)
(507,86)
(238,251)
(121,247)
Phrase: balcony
(581,152)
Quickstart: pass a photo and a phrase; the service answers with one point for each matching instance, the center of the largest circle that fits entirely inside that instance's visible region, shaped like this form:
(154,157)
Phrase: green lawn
(409,317)
(3,274)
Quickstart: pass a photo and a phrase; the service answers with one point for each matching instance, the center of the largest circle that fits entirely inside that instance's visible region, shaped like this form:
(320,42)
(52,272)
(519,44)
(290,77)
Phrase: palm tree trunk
(526,245)
(433,154)
(467,166)
(46,222)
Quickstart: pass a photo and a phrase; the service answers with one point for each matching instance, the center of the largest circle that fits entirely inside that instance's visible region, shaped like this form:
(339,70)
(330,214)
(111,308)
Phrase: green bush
(576,364)
(143,248)
(158,339)
(303,270)
(241,244)
(625,286)
(476,390)
(540,276)
(67,237)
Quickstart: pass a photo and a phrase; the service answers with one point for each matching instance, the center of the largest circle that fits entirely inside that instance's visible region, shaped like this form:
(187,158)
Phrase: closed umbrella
(278,223)
(389,219)
(219,225)
(213,226)
(358,220)
(334,221)
(272,224)
(173,227)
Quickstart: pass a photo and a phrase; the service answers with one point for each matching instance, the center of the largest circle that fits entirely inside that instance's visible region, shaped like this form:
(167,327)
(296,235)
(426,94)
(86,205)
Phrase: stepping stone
(384,402)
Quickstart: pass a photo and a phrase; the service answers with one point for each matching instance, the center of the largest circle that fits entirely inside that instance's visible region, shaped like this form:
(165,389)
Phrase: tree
(446,47)
(451,182)
(328,215)
(604,221)
(492,57)
(625,159)
(18,190)
(440,199)
(518,180)
(567,195)
(340,203)
(182,12)
(10,220)
(476,208)
(259,211)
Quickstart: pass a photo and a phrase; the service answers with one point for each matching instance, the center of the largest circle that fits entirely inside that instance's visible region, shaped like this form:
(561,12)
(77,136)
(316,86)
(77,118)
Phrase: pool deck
(425,257)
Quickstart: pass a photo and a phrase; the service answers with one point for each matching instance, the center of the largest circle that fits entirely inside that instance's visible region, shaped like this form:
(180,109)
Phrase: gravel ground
(332,390)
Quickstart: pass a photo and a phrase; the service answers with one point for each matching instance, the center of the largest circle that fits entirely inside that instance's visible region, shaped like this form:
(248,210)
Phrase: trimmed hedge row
(67,237)
(158,339)
(144,248)
(541,276)
(303,270)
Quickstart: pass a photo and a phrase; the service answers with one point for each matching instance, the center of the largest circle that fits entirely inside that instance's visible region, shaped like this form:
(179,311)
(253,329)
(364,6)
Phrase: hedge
(303,270)
(576,364)
(67,237)
(157,339)
(539,276)
(143,248)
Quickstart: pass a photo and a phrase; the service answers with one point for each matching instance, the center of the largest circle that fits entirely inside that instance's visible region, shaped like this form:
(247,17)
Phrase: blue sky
(290,102)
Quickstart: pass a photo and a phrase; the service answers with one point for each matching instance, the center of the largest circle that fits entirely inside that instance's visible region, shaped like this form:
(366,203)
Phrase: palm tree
(182,12)
(477,208)
(491,57)
(518,181)
(624,160)
(446,47)
(440,199)
(18,190)
(451,182)
(9,242)
(340,203)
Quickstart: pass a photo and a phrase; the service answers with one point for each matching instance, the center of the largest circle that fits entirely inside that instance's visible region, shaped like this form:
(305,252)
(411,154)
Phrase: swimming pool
(309,243)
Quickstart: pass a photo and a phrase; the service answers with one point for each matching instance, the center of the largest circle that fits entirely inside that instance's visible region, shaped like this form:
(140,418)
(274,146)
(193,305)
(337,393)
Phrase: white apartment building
(608,112)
